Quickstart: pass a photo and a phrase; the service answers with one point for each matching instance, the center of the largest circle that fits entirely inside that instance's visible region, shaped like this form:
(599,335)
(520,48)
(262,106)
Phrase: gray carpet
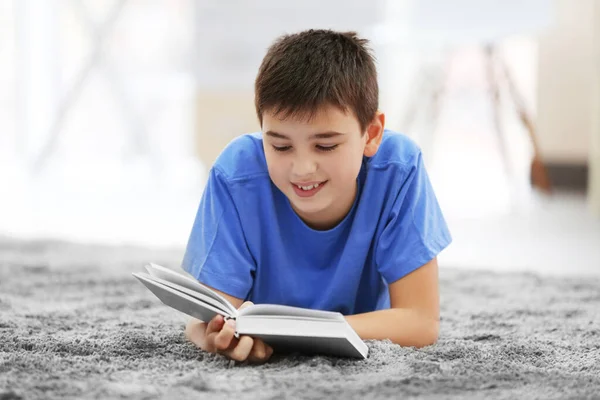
(75,324)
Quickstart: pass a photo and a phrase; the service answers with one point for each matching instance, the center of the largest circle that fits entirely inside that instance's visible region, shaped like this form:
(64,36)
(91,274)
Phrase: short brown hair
(302,72)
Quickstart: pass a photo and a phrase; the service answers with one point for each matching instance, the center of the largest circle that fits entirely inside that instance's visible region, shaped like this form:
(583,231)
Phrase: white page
(193,293)
(187,282)
(288,311)
(315,335)
(178,300)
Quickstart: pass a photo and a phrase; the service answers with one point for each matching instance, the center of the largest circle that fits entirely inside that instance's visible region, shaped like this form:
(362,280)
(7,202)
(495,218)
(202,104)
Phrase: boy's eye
(281,148)
(326,148)
(319,147)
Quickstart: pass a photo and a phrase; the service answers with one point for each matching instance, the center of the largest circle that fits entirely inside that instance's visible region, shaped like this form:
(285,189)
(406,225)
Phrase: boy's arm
(414,315)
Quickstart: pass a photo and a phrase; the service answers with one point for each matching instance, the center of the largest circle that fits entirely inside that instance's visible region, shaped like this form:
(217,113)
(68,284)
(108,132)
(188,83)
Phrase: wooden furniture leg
(539,173)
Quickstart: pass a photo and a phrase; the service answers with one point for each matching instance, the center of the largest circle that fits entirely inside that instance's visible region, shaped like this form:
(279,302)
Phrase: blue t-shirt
(248,242)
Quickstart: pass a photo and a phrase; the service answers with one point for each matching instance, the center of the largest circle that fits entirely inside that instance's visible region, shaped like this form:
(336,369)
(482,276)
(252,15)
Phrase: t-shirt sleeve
(416,230)
(217,253)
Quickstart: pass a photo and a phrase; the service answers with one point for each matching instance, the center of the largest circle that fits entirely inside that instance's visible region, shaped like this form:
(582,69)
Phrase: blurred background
(112,112)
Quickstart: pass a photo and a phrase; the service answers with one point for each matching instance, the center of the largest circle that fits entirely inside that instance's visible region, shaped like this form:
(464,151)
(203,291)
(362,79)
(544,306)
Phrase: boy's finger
(246,304)
(268,350)
(215,324)
(242,350)
(224,338)
(266,357)
(259,350)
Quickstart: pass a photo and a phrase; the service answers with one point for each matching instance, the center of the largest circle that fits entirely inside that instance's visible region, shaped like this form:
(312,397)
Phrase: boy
(323,208)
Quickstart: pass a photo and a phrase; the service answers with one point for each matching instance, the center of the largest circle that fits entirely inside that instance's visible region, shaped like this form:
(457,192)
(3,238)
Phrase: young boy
(323,209)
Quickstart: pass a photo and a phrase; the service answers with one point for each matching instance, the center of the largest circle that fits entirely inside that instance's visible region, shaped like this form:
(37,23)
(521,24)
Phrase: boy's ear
(374,134)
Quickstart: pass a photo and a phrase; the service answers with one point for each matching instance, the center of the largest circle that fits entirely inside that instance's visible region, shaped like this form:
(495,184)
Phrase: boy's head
(316,96)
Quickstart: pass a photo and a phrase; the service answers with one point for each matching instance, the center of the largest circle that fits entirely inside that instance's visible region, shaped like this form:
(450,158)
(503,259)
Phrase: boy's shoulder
(396,149)
(243,158)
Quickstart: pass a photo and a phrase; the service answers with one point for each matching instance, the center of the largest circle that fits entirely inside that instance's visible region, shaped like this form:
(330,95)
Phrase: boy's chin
(312,211)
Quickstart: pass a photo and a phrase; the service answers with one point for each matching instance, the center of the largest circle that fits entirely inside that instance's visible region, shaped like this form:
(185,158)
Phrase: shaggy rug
(75,324)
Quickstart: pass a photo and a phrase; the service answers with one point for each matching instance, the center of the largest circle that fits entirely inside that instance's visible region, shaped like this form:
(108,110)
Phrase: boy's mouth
(308,189)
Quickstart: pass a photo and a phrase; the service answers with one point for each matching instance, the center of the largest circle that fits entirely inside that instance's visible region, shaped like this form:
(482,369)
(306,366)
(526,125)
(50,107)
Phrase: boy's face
(315,163)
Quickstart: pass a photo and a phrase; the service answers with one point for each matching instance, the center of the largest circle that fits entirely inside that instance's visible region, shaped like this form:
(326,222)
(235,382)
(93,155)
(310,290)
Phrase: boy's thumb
(246,304)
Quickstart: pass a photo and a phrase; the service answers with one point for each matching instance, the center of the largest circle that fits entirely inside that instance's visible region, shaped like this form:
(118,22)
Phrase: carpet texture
(75,324)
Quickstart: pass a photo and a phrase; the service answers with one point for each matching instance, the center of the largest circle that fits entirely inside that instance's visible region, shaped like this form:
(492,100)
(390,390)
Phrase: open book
(285,328)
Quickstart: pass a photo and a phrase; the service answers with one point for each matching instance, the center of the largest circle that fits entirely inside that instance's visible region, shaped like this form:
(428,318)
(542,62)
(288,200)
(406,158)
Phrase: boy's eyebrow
(323,135)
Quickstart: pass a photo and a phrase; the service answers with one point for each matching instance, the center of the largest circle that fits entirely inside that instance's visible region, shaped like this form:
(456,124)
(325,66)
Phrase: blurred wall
(221,116)
(594,180)
(231,40)
(565,90)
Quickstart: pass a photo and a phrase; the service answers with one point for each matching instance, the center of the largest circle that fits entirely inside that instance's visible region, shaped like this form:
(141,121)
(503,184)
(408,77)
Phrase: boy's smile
(307,189)
(315,162)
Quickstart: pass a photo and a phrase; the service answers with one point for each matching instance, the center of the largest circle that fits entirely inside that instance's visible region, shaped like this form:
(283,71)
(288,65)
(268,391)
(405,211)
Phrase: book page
(178,300)
(288,311)
(197,295)
(189,283)
(304,335)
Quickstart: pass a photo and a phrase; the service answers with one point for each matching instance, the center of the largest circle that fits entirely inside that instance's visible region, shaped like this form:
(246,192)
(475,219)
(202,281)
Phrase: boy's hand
(220,338)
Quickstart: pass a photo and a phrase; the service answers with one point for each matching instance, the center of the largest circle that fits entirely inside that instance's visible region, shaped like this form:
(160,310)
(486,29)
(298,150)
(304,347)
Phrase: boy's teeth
(316,185)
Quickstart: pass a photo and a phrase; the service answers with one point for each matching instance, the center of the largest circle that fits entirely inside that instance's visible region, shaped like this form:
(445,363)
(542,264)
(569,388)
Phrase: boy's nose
(304,167)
